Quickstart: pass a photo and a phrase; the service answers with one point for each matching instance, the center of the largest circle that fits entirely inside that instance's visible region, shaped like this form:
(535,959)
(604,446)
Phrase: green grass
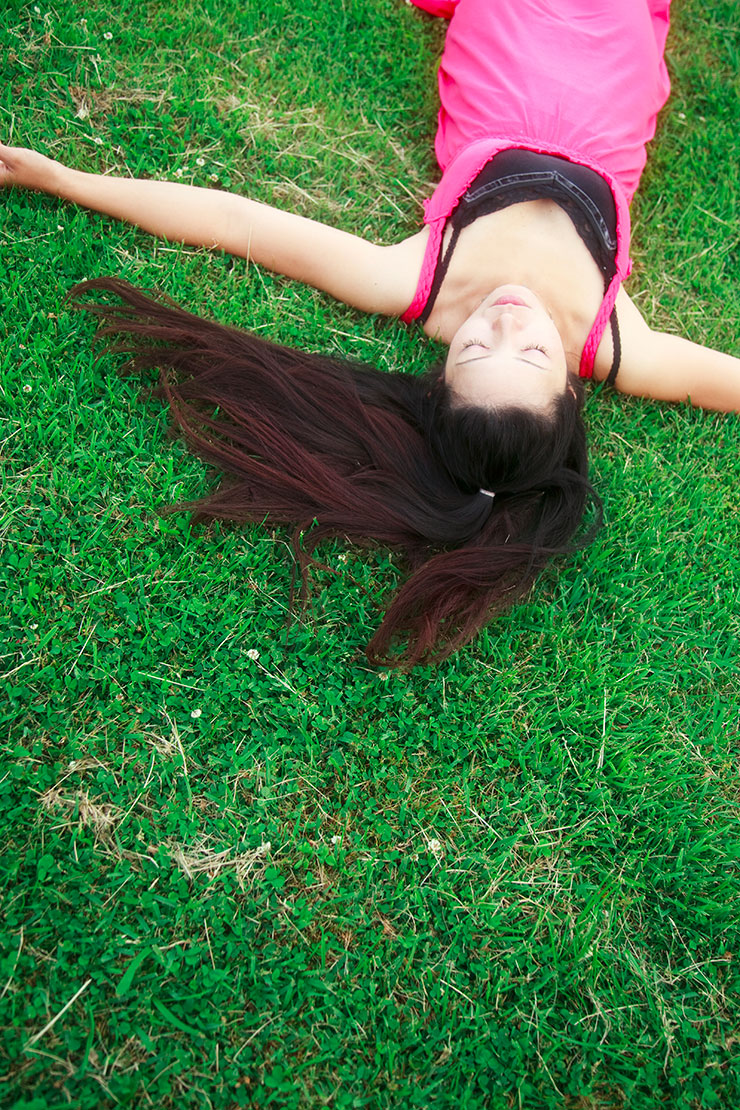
(286,879)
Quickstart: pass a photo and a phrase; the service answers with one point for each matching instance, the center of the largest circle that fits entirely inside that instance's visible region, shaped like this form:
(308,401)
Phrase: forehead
(493,379)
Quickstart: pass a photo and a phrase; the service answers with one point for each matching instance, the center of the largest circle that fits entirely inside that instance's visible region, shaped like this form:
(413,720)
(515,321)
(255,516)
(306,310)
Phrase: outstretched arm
(667,367)
(369,277)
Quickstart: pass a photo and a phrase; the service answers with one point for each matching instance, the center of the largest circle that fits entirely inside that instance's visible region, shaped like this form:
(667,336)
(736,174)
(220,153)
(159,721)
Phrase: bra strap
(617,343)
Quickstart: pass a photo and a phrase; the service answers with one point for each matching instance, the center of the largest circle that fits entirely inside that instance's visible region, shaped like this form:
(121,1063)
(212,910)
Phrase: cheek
(556,347)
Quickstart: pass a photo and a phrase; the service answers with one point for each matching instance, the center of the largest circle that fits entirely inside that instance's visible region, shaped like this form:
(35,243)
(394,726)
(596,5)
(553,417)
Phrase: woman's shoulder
(667,367)
(368,276)
(401,265)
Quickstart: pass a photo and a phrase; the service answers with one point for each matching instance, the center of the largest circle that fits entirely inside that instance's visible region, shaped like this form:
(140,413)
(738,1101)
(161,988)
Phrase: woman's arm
(369,277)
(669,368)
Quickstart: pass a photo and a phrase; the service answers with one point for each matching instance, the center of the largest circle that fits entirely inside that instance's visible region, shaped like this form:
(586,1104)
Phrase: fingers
(7,161)
(26,168)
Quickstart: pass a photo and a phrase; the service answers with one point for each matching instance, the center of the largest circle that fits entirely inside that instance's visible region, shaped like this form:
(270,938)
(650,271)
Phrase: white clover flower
(107,35)
(253,654)
(213,177)
(178,173)
(27,388)
(336,840)
(264,848)
(196,713)
(97,140)
(200,161)
(435,846)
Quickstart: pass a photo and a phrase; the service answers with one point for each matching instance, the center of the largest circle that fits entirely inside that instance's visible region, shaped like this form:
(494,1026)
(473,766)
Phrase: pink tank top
(582,79)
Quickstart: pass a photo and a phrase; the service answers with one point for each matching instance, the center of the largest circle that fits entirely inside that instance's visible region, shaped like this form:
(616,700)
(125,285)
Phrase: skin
(531,245)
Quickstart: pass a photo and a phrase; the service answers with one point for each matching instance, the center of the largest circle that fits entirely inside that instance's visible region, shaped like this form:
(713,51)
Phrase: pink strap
(428,266)
(588,355)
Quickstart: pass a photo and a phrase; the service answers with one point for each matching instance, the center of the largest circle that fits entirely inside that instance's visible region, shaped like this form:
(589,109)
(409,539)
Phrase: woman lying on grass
(477,471)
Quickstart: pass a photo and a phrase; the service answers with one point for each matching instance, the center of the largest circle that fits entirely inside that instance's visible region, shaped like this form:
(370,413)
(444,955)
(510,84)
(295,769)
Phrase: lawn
(241,867)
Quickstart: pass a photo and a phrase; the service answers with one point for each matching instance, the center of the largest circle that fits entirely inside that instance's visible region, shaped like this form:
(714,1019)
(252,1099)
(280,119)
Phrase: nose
(505,324)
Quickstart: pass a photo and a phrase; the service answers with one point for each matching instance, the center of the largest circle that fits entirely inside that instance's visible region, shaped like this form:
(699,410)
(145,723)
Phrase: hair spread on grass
(342,449)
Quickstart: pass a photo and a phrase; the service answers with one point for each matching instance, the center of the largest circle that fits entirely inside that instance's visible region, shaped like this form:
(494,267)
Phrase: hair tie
(487,492)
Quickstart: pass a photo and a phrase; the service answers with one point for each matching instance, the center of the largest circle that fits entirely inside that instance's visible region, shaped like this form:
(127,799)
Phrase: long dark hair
(341,449)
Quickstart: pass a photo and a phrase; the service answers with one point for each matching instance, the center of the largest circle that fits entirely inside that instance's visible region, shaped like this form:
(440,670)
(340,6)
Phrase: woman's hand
(28,169)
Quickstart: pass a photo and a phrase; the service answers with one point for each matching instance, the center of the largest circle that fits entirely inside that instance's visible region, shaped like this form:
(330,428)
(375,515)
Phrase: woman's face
(508,352)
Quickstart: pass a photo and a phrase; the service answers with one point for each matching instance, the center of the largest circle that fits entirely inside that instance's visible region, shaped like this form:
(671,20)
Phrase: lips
(509,299)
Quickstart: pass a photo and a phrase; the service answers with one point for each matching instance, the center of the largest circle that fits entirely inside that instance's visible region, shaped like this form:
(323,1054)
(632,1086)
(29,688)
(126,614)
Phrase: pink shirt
(583,79)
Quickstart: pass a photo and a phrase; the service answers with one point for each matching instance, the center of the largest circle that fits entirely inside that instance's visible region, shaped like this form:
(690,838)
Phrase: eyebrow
(519,358)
